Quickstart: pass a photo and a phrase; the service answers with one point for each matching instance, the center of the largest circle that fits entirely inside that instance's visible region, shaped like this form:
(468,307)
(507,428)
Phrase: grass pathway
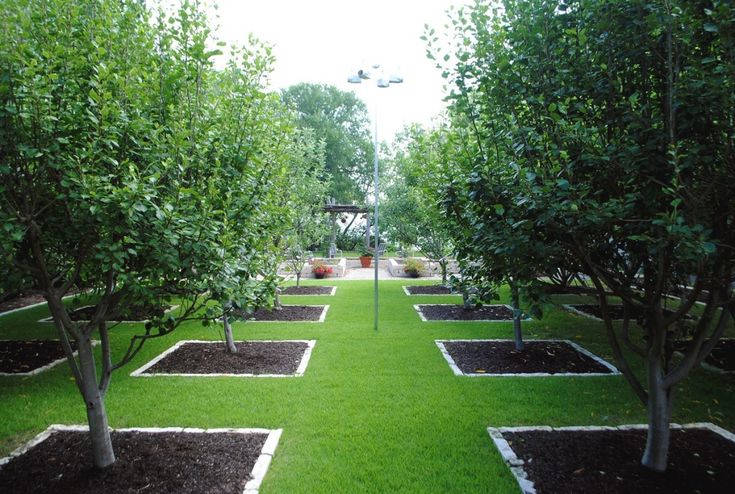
(375,411)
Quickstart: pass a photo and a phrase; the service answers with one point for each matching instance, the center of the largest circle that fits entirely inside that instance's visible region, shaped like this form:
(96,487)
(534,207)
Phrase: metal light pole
(381,83)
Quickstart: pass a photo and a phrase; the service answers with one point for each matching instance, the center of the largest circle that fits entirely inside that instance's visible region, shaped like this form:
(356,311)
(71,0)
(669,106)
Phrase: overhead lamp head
(354,79)
(395,79)
(363,74)
(383,83)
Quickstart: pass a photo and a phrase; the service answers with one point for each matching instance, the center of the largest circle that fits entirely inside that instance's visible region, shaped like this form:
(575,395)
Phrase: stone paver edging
(334,290)
(458,372)
(51,319)
(405,290)
(516,464)
(140,372)
(251,487)
(46,367)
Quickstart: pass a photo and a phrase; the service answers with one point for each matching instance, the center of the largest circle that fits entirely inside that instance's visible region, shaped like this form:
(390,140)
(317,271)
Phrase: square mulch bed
(309,290)
(290,313)
(29,357)
(606,460)
(22,301)
(148,460)
(538,358)
(454,312)
(720,359)
(134,314)
(427,290)
(593,311)
(259,358)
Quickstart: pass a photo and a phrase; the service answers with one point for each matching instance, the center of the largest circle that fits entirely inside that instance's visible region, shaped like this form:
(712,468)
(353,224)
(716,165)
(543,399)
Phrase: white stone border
(710,367)
(405,290)
(423,318)
(322,318)
(34,305)
(574,310)
(516,464)
(51,318)
(46,367)
(140,372)
(330,294)
(257,474)
(458,372)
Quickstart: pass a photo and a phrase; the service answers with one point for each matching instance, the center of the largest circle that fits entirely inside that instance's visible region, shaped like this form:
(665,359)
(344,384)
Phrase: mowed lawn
(375,412)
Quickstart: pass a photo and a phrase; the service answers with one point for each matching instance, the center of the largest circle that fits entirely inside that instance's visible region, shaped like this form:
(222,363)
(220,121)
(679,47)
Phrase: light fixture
(382,82)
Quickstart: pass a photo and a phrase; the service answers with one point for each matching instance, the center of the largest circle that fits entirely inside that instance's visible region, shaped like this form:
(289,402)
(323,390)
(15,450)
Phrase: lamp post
(382,82)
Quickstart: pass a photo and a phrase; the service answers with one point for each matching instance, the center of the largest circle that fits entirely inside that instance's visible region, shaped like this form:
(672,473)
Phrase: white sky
(323,41)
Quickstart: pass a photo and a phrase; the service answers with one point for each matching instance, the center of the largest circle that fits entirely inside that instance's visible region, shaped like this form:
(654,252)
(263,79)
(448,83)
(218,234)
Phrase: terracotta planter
(320,275)
(365,261)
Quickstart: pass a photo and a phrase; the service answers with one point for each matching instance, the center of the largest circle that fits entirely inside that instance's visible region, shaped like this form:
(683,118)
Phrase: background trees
(130,168)
(412,212)
(341,120)
(597,136)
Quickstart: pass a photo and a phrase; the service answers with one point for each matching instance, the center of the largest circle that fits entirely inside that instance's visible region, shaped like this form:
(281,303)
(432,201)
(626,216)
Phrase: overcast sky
(323,41)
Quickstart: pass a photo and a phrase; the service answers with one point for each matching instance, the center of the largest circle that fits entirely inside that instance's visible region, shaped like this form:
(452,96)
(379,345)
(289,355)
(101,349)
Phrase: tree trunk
(99,432)
(515,303)
(298,278)
(229,340)
(277,301)
(659,417)
(443,266)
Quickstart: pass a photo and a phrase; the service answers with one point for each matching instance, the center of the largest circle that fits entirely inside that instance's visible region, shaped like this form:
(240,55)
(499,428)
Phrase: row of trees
(594,137)
(133,169)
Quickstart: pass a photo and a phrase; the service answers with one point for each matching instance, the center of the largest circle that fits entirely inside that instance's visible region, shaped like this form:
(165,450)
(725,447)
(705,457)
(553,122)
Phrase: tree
(341,120)
(130,168)
(602,132)
(412,211)
(306,199)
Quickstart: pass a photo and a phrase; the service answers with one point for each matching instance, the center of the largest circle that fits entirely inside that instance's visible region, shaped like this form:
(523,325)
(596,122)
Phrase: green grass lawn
(375,412)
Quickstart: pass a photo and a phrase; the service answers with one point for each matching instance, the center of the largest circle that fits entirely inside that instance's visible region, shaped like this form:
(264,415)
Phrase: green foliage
(414,267)
(132,168)
(340,120)
(412,212)
(596,136)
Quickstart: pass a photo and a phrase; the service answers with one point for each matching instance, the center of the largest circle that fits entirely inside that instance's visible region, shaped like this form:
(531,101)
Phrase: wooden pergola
(335,210)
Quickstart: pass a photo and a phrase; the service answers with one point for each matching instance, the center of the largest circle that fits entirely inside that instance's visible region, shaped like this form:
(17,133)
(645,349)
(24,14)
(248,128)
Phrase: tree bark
(229,340)
(443,266)
(298,278)
(515,303)
(99,431)
(660,400)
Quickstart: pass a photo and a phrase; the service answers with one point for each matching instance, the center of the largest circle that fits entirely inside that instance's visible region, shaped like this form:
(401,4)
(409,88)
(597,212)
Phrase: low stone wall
(339,266)
(395,267)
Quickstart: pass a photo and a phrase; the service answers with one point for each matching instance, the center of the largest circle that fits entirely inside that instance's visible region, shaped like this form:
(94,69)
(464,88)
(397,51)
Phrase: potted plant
(321,269)
(366,258)
(413,268)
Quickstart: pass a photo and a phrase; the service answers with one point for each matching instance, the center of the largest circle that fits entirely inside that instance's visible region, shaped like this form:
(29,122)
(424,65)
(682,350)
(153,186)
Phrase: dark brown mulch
(23,300)
(459,313)
(428,290)
(722,355)
(135,313)
(146,462)
(307,290)
(616,311)
(288,313)
(253,357)
(501,357)
(700,461)
(17,356)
